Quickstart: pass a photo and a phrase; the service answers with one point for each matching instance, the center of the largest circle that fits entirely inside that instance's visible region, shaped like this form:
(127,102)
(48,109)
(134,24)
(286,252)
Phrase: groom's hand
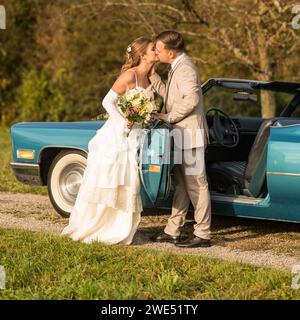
(161,116)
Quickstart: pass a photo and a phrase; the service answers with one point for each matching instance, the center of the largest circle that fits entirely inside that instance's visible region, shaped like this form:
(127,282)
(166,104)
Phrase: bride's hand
(129,124)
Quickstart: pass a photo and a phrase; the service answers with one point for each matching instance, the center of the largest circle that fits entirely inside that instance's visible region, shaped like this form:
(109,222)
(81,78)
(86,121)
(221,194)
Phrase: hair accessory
(129,49)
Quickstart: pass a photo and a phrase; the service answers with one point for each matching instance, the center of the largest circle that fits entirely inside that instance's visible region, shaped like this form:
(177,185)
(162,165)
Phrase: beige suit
(183,102)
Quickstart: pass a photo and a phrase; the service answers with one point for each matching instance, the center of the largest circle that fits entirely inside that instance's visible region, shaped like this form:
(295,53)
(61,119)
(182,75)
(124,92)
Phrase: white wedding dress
(108,205)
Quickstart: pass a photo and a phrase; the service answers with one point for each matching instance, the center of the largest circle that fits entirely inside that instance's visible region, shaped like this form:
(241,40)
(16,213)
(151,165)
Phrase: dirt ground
(257,242)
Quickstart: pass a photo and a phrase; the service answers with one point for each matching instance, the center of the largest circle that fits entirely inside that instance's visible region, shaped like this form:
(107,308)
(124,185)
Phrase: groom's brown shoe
(163,237)
(195,242)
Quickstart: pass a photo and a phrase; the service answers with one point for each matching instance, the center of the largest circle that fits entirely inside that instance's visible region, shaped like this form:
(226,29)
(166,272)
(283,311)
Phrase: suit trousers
(190,185)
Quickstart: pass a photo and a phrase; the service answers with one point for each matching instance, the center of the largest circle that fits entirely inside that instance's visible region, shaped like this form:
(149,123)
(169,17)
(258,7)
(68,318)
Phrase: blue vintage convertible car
(253,164)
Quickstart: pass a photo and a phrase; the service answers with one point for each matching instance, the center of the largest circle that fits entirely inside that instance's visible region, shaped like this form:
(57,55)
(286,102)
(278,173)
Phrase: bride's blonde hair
(134,51)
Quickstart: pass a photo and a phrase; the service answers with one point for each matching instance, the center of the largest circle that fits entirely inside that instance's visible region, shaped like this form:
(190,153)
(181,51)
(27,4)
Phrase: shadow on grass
(227,229)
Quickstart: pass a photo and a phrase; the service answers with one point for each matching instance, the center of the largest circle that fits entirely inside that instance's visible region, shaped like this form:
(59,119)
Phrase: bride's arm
(110,105)
(111,99)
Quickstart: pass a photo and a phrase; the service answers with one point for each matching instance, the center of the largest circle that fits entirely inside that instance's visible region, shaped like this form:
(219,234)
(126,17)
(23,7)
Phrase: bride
(108,205)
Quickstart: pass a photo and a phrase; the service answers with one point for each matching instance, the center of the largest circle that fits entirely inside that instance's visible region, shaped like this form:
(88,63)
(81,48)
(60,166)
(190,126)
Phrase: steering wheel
(224,129)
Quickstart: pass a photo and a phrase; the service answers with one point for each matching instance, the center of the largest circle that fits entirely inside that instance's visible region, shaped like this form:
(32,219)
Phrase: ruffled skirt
(108,205)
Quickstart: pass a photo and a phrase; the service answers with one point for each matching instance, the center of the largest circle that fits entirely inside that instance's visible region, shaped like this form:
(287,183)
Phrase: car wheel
(64,179)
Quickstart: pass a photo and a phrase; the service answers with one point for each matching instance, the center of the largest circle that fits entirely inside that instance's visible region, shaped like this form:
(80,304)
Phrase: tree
(76,48)
(256,35)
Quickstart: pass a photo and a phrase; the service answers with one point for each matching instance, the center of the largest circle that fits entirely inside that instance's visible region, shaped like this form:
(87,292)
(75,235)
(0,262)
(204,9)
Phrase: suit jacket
(183,101)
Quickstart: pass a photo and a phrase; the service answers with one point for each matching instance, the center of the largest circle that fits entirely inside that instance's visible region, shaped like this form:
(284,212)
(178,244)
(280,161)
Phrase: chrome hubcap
(70,180)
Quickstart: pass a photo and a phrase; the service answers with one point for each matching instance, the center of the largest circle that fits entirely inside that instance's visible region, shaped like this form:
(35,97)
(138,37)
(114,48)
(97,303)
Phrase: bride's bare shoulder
(124,81)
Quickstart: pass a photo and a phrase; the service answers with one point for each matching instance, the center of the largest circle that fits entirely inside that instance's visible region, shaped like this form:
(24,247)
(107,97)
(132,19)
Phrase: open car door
(155,162)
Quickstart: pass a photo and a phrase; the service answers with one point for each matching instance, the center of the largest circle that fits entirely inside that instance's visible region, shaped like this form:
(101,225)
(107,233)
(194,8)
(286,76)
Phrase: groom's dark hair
(172,40)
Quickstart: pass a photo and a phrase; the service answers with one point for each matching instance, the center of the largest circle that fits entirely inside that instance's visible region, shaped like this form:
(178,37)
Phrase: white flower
(136,103)
(129,95)
(151,106)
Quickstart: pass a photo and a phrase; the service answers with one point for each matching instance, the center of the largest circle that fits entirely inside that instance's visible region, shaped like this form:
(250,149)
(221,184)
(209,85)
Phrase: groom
(183,103)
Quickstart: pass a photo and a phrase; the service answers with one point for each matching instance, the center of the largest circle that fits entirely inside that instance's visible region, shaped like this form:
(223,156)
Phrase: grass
(8,182)
(43,266)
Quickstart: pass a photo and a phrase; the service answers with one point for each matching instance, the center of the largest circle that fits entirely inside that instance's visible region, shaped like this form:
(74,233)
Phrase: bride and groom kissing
(108,205)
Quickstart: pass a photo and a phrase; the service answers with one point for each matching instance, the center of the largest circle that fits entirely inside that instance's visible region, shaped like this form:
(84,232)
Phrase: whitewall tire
(64,179)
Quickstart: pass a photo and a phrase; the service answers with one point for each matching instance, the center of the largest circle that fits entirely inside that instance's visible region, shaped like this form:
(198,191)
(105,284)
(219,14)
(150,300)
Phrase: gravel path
(259,243)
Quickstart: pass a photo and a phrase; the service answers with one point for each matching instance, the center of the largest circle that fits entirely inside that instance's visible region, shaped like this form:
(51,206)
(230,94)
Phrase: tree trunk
(268,102)
(267,98)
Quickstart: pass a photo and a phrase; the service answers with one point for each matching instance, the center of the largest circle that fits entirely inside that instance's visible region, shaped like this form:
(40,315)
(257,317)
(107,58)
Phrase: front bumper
(27,173)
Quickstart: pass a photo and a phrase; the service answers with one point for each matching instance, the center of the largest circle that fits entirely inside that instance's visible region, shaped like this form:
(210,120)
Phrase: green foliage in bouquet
(137,105)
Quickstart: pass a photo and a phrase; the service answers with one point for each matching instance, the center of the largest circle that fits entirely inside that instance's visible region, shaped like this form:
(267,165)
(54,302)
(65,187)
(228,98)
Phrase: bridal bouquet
(137,106)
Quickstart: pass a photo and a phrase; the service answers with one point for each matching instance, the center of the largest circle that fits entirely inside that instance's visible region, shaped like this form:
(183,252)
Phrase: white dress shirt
(173,64)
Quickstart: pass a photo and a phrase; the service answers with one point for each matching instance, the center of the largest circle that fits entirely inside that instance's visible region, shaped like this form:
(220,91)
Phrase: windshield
(236,102)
